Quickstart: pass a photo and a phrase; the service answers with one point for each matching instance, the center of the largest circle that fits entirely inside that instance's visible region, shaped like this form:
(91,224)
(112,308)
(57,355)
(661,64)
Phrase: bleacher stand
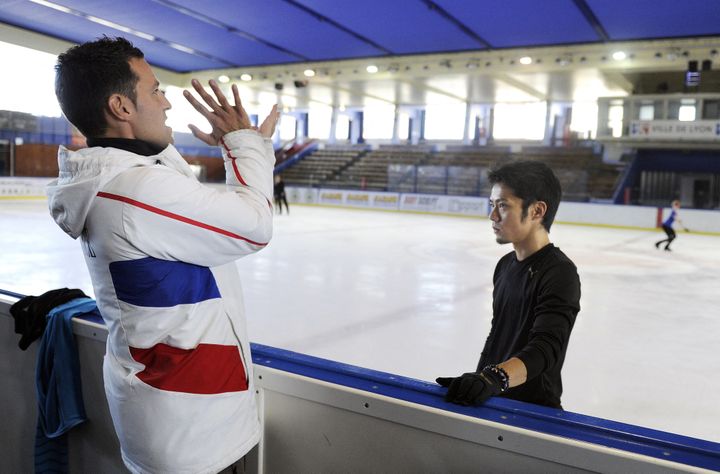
(322,165)
(459,171)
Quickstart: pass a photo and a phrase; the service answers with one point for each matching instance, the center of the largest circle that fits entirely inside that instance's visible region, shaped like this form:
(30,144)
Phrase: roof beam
(462,26)
(618,79)
(507,79)
(330,21)
(230,29)
(592,19)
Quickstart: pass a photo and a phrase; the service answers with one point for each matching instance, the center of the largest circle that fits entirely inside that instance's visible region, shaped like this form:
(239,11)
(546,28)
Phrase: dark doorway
(701,194)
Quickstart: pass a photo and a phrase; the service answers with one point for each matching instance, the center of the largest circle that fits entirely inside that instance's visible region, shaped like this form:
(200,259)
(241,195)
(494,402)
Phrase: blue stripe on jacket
(155,283)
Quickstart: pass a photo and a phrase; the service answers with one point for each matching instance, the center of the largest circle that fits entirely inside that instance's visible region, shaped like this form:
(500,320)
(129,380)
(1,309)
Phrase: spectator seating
(322,165)
(371,170)
(457,170)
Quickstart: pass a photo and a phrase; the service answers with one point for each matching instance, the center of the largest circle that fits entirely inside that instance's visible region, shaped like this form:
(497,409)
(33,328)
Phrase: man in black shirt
(536,295)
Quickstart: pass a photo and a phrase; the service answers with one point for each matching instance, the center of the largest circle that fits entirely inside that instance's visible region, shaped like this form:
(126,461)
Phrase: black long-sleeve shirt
(535,303)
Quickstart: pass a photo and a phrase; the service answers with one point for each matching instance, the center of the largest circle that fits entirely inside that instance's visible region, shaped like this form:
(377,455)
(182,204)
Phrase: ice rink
(411,294)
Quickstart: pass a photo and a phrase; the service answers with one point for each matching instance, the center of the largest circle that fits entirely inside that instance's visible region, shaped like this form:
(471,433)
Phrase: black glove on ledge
(473,388)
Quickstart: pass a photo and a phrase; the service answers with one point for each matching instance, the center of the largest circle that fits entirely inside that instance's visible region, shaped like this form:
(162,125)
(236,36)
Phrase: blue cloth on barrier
(59,392)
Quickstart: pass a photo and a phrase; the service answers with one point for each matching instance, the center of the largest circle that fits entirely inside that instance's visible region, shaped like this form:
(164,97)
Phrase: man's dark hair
(531,181)
(88,74)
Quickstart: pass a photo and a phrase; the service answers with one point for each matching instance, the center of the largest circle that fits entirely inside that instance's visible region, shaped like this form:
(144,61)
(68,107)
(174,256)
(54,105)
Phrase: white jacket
(161,250)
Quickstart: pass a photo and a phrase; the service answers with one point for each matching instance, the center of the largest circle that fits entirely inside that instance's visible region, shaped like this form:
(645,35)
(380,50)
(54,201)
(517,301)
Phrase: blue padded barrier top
(612,434)
(631,438)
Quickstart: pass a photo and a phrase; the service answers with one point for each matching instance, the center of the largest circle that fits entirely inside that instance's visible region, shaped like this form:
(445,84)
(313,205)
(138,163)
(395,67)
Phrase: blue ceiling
(197,35)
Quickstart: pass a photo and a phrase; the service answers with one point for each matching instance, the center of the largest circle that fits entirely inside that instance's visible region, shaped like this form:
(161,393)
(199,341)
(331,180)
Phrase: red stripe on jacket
(234,164)
(178,217)
(207,369)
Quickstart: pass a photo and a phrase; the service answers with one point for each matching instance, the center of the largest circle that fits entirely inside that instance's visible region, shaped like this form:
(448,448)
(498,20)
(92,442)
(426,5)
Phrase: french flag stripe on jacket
(156,283)
(151,291)
(207,369)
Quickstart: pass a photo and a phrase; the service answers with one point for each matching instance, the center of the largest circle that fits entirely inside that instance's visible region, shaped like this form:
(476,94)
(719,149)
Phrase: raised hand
(267,128)
(223,117)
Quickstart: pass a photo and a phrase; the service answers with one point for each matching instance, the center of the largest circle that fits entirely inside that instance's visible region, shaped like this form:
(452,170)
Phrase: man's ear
(120,107)
(539,208)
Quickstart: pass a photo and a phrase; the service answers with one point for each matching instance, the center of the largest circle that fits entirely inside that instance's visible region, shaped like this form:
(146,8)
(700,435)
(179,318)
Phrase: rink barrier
(706,222)
(23,188)
(614,216)
(326,416)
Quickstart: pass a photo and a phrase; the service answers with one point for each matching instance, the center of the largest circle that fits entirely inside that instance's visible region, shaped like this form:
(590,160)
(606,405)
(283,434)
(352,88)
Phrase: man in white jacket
(161,251)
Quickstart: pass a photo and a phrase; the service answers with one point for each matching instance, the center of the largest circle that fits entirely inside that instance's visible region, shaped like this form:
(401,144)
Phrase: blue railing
(612,434)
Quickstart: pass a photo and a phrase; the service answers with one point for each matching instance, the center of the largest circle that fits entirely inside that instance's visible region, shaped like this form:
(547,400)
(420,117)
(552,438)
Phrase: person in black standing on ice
(280,196)
(536,295)
(667,226)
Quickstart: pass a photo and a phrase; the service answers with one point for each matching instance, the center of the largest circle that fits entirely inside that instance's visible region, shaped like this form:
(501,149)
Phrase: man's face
(148,122)
(506,216)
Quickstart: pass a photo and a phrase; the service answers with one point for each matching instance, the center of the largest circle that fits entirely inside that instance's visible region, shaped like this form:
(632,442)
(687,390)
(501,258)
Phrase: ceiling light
(180,47)
(525,60)
(54,6)
(372,69)
(619,55)
(472,65)
(245,77)
(309,72)
(125,29)
(224,79)
(100,21)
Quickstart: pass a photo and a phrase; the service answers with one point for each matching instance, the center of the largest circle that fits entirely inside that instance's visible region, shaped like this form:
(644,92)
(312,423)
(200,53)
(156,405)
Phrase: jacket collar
(133,145)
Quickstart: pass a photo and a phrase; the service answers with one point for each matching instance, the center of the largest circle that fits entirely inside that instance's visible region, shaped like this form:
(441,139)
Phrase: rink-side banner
(23,188)
(675,129)
(471,206)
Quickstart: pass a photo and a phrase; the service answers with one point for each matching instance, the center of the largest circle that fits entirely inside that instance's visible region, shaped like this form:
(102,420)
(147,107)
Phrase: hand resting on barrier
(474,388)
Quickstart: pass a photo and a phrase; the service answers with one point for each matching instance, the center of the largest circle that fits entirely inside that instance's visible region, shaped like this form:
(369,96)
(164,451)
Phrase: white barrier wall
(323,416)
(23,188)
(638,217)
(439,204)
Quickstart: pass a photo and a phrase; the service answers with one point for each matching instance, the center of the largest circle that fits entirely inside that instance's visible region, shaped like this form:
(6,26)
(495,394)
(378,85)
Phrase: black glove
(472,388)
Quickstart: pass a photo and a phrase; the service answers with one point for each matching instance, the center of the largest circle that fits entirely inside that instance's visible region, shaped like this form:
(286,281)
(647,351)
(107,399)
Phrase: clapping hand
(223,117)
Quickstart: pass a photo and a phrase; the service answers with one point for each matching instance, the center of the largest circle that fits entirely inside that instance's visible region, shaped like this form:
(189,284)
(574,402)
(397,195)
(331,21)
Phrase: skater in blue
(667,226)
